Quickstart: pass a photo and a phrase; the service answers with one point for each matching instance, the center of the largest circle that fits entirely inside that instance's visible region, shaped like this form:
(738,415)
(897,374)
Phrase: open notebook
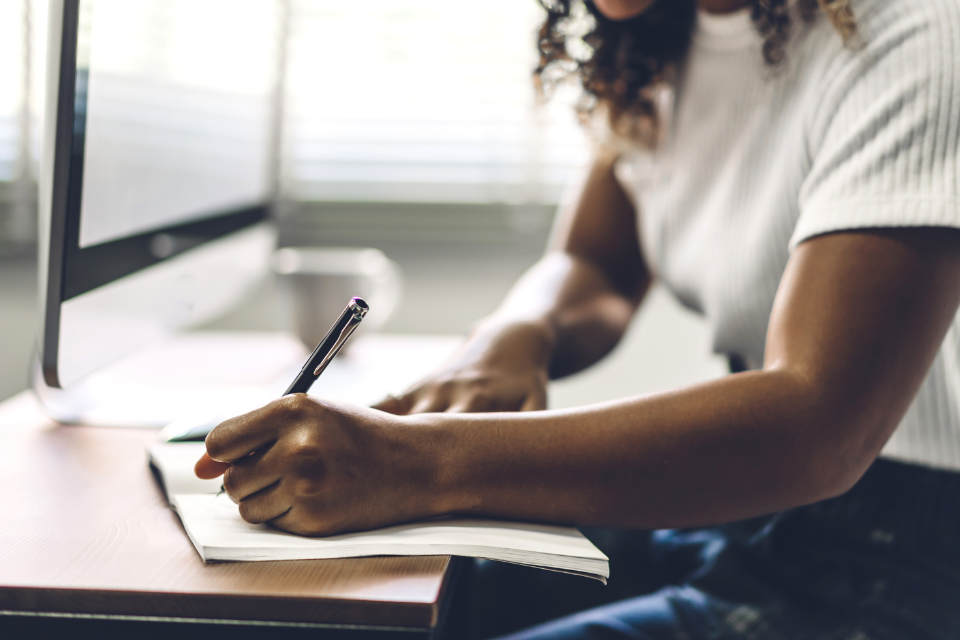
(218,532)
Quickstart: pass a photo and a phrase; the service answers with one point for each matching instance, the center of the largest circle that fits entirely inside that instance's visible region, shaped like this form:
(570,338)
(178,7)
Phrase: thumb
(207,468)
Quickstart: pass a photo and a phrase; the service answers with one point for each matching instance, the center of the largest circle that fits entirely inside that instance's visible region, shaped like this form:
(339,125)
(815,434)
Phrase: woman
(803,193)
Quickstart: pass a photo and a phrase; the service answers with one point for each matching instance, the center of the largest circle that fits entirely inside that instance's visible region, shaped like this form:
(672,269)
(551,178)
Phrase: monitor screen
(177,97)
(159,142)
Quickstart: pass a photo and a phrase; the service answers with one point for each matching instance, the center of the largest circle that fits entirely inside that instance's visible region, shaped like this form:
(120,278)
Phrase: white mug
(319,282)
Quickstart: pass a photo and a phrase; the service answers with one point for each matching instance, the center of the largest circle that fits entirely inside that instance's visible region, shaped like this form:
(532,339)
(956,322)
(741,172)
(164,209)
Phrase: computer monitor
(158,172)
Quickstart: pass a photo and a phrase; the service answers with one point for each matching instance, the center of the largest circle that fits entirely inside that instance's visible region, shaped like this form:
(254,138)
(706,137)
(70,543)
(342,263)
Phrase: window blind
(386,101)
(422,101)
(22,58)
(12,98)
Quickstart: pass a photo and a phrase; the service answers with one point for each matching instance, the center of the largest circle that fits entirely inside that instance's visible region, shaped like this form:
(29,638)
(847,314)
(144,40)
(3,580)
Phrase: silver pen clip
(358,314)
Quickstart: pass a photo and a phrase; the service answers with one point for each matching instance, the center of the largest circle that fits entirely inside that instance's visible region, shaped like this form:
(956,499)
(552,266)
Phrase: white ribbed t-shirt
(758,160)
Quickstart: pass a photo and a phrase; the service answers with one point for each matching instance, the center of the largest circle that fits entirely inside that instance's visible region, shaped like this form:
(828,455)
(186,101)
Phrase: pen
(329,347)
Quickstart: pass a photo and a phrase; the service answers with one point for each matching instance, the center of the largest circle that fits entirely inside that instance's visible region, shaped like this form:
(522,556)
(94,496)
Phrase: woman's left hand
(315,468)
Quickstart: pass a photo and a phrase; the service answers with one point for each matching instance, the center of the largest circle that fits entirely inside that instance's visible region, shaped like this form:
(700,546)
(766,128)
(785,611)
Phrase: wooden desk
(86,537)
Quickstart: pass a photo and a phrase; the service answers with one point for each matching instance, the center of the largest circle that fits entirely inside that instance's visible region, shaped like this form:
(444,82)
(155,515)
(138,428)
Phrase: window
(12,97)
(422,101)
(386,101)
(22,59)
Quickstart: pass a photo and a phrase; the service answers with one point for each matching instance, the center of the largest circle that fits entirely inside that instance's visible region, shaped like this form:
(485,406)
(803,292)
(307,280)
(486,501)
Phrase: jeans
(881,562)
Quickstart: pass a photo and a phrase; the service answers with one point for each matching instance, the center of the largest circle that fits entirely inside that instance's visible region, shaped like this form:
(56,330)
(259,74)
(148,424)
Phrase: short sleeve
(885,139)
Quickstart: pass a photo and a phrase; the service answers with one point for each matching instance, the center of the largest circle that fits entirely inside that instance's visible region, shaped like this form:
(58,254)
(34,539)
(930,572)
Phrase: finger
(398,406)
(288,522)
(265,505)
(474,403)
(536,400)
(207,468)
(235,438)
(487,400)
(292,521)
(253,473)
(433,403)
(460,407)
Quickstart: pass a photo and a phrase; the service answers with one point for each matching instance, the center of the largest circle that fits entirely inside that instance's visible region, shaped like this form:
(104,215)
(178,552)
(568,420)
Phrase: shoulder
(887,25)
(885,127)
(905,52)
(878,16)
(890,27)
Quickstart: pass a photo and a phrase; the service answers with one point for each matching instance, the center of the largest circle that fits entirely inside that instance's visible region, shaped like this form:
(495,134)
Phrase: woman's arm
(567,311)
(857,322)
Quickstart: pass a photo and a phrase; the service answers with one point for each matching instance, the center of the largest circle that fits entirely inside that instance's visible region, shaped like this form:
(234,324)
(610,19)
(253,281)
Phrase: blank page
(219,533)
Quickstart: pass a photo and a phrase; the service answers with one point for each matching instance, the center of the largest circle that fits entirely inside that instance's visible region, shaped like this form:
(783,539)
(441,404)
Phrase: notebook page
(175,461)
(219,533)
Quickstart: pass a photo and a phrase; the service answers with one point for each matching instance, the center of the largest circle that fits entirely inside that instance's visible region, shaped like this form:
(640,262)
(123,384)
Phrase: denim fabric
(881,562)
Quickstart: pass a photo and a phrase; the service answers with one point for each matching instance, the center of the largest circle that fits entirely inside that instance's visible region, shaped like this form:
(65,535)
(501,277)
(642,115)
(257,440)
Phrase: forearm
(738,447)
(567,312)
(572,307)
(858,321)
(581,295)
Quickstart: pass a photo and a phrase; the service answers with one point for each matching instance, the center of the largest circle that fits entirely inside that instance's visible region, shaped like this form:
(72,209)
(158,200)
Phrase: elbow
(844,452)
(835,482)
(837,432)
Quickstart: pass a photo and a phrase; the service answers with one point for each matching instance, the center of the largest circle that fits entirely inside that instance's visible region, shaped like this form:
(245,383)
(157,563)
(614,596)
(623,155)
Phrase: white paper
(219,533)
(175,460)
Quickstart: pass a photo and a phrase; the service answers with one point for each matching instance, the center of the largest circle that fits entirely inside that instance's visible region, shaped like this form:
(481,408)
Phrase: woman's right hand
(498,368)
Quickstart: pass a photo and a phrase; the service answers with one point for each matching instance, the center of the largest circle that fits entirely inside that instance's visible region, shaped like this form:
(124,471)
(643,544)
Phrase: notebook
(215,528)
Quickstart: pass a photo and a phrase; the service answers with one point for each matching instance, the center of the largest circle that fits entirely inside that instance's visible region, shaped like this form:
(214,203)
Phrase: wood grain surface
(84,528)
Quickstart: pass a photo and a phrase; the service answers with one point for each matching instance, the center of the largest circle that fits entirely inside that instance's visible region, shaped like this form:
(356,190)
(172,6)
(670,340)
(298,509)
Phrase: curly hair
(620,64)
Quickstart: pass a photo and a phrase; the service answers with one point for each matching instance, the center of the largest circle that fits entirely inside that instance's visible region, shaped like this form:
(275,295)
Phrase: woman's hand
(315,468)
(497,369)
(568,311)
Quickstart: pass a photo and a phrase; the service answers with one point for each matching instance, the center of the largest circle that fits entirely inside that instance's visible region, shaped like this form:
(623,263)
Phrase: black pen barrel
(330,345)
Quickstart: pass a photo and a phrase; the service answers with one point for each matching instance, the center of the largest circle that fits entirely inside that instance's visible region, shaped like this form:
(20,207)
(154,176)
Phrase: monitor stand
(212,375)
